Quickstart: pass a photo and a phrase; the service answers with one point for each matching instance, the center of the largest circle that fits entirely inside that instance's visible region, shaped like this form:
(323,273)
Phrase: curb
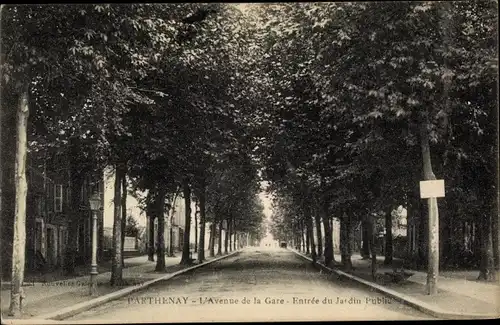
(86,305)
(405,299)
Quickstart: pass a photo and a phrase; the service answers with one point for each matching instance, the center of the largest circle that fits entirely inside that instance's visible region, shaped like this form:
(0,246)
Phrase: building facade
(175,227)
(48,213)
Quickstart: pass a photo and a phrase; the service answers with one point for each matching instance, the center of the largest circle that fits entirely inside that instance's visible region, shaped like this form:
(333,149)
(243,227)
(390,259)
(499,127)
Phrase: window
(58,198)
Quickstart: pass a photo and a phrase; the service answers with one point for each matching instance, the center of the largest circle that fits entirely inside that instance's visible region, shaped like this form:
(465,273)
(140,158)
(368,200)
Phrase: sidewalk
(46,297)
(457,294)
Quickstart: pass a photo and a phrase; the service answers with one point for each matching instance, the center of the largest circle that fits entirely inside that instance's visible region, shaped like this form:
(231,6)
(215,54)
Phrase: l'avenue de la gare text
(184,300)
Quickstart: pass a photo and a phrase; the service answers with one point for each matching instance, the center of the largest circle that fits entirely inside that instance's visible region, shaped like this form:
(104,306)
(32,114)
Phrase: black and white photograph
(249,162)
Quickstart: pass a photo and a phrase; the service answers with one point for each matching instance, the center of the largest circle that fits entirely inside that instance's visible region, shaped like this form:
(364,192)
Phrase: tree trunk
(19,240)
(226,237)
(170,252)
(186,259)
(333,238)
(77,180)
(196,227)
(201,247)
(388,238)
(496,238)
(160,214)
(308,239)
(345,242)
(487,266)
(235,235)
(317,218)
(212,239)
(329,257)
(365,235)
(219,240)
(433,214)
(373,249)
(151,225)
(151,239)
(303,237)
(310,231)
(124,211)
(116,265)
(230,230)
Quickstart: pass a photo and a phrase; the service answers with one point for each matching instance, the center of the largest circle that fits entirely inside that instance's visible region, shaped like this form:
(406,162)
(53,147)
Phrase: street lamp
(95,205)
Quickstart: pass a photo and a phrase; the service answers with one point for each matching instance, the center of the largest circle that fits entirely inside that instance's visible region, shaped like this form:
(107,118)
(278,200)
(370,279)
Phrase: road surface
(257,284)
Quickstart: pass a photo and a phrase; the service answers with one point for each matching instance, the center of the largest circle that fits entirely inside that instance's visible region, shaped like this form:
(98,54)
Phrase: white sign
(433,188)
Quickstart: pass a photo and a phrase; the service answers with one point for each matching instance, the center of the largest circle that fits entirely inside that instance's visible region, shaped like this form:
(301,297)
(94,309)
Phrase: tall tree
(186,249)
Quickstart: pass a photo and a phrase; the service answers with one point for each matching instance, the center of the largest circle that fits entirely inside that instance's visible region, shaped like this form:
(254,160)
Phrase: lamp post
(95,205)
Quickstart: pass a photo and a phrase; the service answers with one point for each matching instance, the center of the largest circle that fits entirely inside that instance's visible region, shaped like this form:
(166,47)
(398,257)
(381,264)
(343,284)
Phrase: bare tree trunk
(212,239)
(170,252)
(230,231)
(151,225)
(365,236)
(19,240)
(303,237)
(388,238)
(308,238)
(329,258)
(151,239)
(226,237)
(185,259)
(124,211)
(345,242)
(317,218)
(495,237)
(160,214)
(219,246)
(201,247)
(77,180)
(310,231)
(433,214)
(373,248)
(116,266)
(487,265)
(235,235)
(196,227)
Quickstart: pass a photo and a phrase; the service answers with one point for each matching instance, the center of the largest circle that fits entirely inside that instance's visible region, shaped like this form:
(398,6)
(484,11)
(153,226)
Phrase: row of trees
(340,104)
(364,100)
(160,93)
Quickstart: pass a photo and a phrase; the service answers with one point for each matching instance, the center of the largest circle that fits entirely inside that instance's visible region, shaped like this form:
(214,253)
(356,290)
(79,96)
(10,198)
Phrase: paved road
(276,284)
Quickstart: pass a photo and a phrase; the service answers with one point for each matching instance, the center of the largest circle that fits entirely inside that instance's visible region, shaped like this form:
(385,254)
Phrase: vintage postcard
(243,162)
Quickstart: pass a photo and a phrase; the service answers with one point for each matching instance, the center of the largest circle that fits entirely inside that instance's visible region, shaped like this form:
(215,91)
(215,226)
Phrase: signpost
(431,190)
